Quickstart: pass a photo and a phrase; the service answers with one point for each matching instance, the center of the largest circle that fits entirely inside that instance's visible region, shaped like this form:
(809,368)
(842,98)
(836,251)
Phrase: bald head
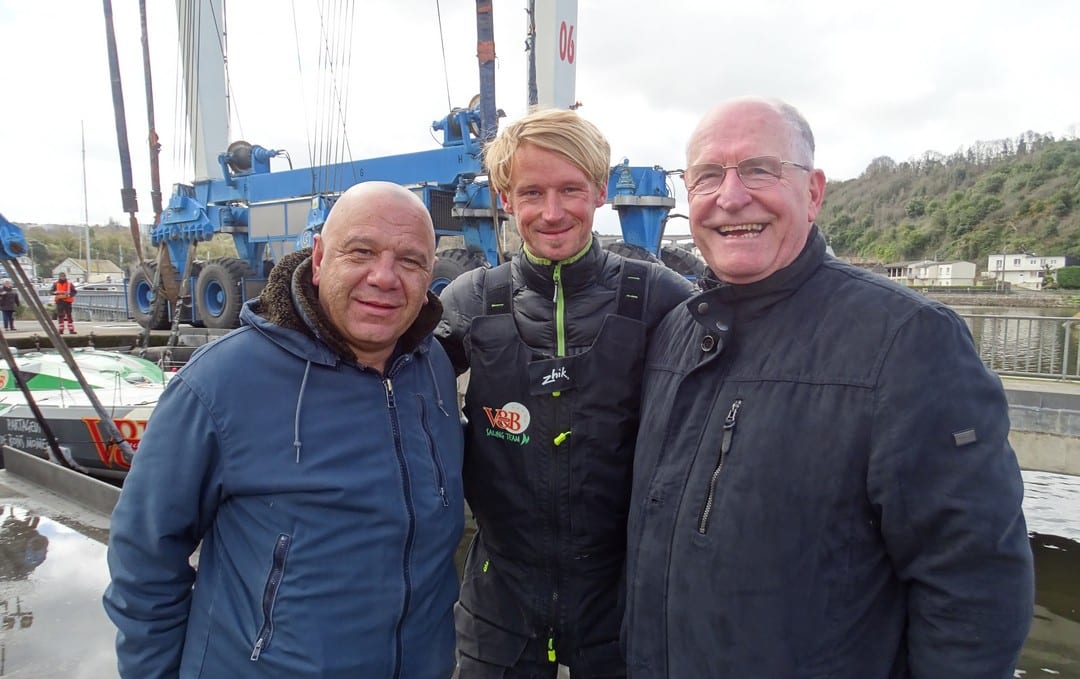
(799,137)
(373,198)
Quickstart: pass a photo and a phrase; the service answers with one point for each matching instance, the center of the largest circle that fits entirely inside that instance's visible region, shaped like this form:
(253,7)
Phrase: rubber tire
(141,302)
(219,294)
(631,251)
(683,262)
(451,264)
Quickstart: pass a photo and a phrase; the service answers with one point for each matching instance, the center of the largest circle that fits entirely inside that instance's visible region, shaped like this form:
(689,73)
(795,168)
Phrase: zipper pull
(257,651)
(729,426)
(561,438)
(551,649)
(729,421)
(389,393)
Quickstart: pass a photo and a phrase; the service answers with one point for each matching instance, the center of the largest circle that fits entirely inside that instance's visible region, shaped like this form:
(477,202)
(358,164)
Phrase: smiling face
(553,200)
(746,235)
(372,264)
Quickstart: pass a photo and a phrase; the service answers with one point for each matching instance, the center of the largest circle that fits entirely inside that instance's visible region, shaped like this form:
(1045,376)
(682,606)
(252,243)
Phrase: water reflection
(51,620)
(22,547)
(1051,502)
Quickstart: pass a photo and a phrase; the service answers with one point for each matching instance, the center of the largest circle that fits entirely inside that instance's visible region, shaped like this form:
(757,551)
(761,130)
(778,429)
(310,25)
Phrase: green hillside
(1013,195)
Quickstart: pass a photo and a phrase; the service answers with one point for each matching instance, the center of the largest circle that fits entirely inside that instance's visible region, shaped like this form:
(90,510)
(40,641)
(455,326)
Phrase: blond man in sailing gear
(555,340)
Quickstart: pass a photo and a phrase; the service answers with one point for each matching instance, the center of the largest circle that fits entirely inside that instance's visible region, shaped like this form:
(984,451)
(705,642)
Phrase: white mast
(202,49)
(555,53)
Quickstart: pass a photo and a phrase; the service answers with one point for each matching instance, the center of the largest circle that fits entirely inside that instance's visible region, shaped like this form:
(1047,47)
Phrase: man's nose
(732,194)
(553,208)
(383,272)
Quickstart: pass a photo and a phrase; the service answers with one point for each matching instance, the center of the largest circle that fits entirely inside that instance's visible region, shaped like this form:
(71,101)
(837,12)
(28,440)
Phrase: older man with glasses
(823,484)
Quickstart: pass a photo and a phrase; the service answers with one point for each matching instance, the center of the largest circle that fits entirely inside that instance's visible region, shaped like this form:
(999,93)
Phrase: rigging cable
(336,45)
(319,87)
(303,96)
(442,43)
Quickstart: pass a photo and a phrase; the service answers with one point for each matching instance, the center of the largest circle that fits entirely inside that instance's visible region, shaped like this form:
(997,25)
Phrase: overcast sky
(873,79)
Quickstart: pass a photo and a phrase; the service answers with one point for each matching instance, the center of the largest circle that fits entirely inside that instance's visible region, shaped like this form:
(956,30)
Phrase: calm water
(52,575)
(1052,508)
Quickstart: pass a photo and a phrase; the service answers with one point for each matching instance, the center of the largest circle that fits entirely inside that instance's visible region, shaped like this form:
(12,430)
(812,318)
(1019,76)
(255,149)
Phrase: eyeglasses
(754,173)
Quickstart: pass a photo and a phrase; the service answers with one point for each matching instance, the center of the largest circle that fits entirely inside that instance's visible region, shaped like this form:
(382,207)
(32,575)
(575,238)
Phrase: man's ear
(318,251)
(507,205)
(817,194)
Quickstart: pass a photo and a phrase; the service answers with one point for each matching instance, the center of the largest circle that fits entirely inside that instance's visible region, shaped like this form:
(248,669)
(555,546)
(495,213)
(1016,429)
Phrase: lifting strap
(632,285)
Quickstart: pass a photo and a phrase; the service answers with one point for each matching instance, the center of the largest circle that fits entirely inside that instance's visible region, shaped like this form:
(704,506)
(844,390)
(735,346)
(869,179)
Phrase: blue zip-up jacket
(327,498)
(823,487)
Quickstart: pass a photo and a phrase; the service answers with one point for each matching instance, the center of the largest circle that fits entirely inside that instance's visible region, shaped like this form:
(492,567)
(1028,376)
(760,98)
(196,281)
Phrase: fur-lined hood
(290,300)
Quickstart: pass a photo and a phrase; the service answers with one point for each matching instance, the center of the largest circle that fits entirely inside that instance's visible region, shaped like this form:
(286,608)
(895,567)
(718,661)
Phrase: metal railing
(1027,346)
(101,305)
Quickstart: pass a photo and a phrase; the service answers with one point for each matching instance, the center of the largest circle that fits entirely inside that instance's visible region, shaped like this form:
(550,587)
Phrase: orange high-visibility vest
(63,292)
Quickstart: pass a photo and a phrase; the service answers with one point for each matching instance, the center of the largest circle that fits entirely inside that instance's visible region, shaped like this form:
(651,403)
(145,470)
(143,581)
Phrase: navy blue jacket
(823,487)
(327,498)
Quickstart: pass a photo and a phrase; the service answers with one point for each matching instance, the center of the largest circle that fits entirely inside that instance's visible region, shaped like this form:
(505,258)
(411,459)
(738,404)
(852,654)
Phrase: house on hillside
(1024,269)
(897,271)
(101,270)
(946,274)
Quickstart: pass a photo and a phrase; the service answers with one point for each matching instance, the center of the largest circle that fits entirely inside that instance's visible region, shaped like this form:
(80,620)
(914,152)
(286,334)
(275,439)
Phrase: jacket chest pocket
(437,467)
(270,595)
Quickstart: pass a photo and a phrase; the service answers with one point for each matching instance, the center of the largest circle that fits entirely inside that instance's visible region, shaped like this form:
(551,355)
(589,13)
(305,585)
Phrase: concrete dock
(1045,421)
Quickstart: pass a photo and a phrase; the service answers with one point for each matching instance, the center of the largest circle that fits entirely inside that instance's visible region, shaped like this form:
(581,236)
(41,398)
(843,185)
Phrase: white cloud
(895,79)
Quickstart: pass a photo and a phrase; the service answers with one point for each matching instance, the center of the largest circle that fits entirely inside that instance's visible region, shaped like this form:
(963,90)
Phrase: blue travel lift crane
(271,213)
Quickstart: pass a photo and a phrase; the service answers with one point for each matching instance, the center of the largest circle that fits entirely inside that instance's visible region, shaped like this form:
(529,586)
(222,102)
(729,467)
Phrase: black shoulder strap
(632,286)
(498,290)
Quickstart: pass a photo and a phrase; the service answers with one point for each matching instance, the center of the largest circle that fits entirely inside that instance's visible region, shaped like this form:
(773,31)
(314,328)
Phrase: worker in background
(9,303)
(315,452)
(63,292)
(823,482)
(555,340)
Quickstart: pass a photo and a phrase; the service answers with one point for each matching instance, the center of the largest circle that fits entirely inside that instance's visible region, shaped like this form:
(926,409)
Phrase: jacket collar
(575,272)
(290,300)
(745,302)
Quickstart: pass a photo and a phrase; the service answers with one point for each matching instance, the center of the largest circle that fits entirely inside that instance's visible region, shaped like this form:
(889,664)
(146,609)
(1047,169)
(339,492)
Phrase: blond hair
(557,130)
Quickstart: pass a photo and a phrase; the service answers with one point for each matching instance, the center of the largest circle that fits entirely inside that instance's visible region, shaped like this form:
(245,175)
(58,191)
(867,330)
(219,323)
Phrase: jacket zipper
(560,350)
(273,583)
(560,311)
(436,462)
(725,446)
(406,572)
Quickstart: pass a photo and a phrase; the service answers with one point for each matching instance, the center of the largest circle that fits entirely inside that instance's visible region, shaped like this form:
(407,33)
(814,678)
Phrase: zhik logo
(556,374)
